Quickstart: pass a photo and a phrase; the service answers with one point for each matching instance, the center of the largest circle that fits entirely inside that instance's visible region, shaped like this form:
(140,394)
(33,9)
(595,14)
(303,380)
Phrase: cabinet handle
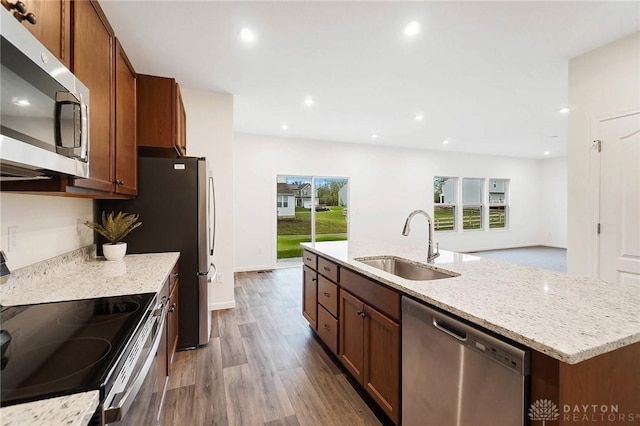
(314,279)
(362,314)
(19,6)
(326,327)
(326,268)
(327,294)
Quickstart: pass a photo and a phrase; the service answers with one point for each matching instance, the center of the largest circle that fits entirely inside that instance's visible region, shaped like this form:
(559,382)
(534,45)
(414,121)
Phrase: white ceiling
(488,76)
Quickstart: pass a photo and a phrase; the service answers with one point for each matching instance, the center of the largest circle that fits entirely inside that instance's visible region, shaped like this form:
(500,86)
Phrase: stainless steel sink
(404,268)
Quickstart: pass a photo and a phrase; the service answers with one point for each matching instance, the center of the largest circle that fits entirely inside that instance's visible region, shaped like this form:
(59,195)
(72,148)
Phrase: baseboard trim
(230,304)
(254,268)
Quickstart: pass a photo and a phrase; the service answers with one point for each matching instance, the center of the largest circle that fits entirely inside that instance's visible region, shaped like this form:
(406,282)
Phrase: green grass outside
(289,245)
(330,226)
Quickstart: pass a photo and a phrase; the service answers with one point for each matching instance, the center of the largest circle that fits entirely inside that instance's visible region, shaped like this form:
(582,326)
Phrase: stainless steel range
(105,344)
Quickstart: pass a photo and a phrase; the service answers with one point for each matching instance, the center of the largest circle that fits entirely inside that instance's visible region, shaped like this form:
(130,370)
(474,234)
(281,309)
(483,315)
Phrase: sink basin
(404,268)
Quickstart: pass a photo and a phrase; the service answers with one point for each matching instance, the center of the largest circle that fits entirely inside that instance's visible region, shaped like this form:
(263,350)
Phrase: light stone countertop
(92,277)
(71,410)
(567,317)
(73,276)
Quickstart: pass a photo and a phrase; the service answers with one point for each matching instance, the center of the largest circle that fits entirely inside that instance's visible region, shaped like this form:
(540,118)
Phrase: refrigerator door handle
(212,215)
(215,272)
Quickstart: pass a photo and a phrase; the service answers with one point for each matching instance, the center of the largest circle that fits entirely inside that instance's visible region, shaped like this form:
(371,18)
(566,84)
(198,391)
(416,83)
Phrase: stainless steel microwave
(44,115)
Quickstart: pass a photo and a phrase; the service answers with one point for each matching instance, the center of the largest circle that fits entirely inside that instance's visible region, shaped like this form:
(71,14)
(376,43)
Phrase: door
(618,257)
(310,296)
(126,158)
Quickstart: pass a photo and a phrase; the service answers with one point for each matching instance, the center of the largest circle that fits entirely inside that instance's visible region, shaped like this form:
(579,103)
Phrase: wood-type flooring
(263,366)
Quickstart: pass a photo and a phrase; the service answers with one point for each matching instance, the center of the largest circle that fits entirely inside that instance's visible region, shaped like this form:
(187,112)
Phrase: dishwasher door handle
(456,334)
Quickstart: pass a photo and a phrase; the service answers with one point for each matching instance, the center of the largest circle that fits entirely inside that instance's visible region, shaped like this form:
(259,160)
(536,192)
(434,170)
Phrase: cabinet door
(310,296)
(382,361)
(52,25)
(351,334)
(125,126)
(181,124)
(172,326)
(156,111)
(92,64)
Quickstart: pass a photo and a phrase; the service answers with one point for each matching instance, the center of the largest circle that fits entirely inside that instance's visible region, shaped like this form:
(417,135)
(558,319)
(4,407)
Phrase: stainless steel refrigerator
(176,204)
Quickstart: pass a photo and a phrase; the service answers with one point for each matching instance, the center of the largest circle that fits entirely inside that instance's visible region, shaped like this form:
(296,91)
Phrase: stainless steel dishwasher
(455,374)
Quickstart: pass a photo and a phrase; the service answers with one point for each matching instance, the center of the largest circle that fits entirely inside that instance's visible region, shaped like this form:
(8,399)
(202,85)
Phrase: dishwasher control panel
(515,362)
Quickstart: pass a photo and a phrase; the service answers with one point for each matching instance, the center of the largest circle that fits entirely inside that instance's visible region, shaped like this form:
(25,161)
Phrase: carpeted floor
(542,257)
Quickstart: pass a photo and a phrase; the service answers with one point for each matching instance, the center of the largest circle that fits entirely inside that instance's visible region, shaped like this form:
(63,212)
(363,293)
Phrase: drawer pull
(309,259)
(326,268)
(326,327)
(362,314)
(327,294)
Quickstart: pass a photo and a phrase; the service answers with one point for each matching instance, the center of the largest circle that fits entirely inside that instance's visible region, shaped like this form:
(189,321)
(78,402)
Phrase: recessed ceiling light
(563,110)
(247,35)
(284,126)
(21,102)
(419,117)
(308,101)
(444,142)
(412,29)
(547,153)
(374,136)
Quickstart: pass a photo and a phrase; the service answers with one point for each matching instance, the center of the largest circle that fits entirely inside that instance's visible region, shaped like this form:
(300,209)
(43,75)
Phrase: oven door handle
(118,412)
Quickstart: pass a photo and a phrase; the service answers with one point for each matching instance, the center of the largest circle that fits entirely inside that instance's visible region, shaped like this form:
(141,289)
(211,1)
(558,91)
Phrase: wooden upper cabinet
(126,149)
(52,27)
(161,115)
(93,49)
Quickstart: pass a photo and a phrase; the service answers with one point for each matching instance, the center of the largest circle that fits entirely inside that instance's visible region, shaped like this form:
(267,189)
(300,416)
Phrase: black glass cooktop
(54,349)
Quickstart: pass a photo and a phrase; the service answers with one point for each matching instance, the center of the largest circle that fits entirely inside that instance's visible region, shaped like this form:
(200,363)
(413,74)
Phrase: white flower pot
(114,251)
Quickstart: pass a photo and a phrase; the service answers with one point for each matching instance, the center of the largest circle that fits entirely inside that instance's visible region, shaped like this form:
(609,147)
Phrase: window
(472,202)
(444,199)
(498,203)
(283,201)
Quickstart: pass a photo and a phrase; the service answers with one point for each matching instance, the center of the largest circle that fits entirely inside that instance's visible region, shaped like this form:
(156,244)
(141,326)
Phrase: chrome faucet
(405,231)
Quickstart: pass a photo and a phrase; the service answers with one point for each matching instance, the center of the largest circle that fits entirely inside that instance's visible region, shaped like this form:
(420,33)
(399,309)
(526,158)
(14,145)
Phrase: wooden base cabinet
(310,296)
(370,349)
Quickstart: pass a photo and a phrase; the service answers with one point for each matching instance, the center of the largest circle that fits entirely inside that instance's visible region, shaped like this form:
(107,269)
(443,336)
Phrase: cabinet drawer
(310,259)
(328,295)
(377,295)
(328,329)
(328,269)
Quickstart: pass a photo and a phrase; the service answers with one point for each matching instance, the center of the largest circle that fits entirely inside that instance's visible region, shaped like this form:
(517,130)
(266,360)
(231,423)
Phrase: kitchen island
(74,276)
(583,333)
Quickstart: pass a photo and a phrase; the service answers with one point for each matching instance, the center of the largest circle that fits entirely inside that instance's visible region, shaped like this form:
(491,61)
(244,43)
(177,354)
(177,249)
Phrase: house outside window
(472,203)
(498,203)
(444,200)
(283,201)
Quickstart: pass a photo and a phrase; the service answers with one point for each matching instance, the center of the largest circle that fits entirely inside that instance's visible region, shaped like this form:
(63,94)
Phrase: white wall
(385,185)
(602,82)
(46,226)
(210,134)
(553,184)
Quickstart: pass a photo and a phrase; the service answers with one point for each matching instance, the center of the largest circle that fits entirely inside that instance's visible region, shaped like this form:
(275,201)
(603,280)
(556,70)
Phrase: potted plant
(114,229)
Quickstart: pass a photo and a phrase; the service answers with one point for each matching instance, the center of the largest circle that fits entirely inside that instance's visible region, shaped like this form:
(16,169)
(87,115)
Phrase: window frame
(479,205)
(453,205)
(504,203)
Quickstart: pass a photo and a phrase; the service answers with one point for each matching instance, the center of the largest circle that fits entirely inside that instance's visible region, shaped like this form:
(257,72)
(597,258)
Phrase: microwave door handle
(118,412)
(84,130)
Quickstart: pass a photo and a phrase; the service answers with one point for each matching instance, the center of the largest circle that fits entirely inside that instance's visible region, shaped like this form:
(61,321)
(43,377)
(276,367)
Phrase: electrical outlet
(219,277)
(13,238)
